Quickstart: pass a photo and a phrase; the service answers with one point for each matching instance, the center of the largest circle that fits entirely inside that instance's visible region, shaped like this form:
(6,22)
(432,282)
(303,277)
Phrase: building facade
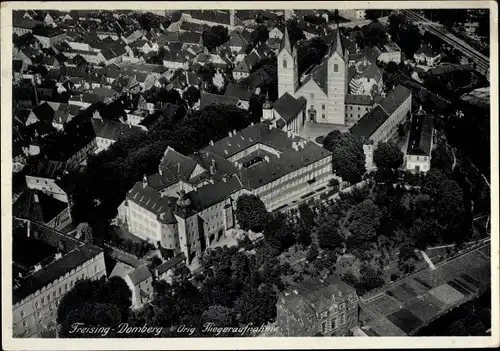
(324,86)
(381,122)
(420,144)
(318,307)
(38,289)
(189,204)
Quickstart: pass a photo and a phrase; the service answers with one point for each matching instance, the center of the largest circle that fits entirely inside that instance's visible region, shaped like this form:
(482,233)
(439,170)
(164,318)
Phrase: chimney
(230,133)
(36,198)
(266,158)
(270,126)
(240,166)
(295,292)
(58,256)
(211,143)
(224,178)
(144,181)
(234,131)
(251,123)
(38,266)
(212,167)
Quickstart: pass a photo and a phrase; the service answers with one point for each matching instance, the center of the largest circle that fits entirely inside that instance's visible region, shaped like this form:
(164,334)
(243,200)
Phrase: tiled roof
(113,130)
(235,39)
(369,123)
(420,139)
(239,91)
(37,206)
(76,253)
(395,98)
(266,172)
(139,275)
(288,107)
(351,99)
(194,27)
(175,165)
(210,15)
(316,294)
(165,266)
(207,99)
(190,37)
(427,51)
(151,200)
(242,66)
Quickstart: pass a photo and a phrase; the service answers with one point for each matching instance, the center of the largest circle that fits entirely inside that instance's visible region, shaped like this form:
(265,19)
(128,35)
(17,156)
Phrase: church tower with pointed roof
(288,75)
(337,80)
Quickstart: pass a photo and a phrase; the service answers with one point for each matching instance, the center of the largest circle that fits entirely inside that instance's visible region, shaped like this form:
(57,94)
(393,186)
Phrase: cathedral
(337,91)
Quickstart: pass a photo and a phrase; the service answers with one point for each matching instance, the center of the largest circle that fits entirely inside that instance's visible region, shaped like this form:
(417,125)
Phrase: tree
(370,278)
(87,234)
(348,157)
(259,35)
(294,32)
(306,214)
(219,316)
(278,232)
(365,220)
(94,303)
(181,273)
(215,36)
(310,53)
(312,253)
(329,236)
(191,95)
(251,213)
(388,155)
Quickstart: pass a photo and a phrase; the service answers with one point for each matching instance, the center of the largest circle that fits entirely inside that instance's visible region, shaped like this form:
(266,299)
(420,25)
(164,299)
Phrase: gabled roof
(395,98)
(165,266)
(139,275)
(369,123)
(288,107)
(427,51)
(175,165)
(151,200)
(207,99)
(420,139)
(114,130)
(239,91)
(37,206)
(235,39)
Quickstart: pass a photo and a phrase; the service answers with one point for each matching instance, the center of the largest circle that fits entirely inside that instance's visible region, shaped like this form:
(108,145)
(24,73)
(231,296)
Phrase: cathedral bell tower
(288,77)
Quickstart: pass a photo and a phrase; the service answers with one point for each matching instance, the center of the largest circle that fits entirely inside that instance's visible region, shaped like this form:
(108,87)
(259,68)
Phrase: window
(48,297)
(25,324)
(323,327)
(39,314)
(323,116)
(60,290)
(43,300)
(333,323)
(54,293)
(66,287)
(418,158)
(323,106)
(284,64)
(335,68)
(359,108)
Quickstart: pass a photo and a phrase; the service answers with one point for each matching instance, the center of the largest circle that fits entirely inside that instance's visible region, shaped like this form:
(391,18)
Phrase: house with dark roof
(381,122)
(427,55)
(140,283)
(207,99)
(236,42)
(46,264)
(48,37)
(165,271)
(420,143)
(73,145)
(38,206)
(189,203)
(241,92)
(109,132)
(328,307)
(286,113)
(356,106)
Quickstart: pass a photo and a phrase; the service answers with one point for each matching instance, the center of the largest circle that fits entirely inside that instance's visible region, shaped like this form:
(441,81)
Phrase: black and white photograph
(228,172)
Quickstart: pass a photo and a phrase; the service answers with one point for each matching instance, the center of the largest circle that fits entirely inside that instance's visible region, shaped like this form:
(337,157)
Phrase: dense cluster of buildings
(110,80)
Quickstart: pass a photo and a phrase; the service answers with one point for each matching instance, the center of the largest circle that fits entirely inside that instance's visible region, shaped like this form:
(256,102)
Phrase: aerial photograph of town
(250,173)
